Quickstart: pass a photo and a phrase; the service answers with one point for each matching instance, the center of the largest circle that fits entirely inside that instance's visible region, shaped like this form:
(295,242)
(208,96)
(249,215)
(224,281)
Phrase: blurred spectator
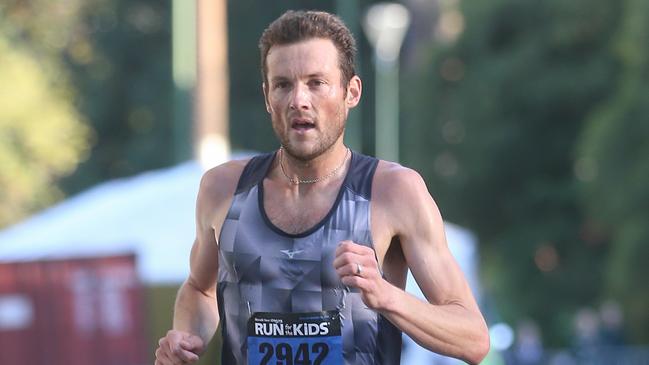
(612,324)
(561,358)
(586,335)
(528,349)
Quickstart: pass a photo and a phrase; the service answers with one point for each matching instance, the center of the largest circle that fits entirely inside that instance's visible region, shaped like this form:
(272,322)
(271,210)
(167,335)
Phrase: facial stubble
(326,142)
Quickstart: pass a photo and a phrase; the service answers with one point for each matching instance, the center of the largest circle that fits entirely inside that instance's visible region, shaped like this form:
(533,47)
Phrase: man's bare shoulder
(405,206)
(220,182)
(400,201)
(394,182)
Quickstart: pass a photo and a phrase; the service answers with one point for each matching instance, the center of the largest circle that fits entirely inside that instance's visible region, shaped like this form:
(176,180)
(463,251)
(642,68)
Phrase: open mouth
(302,124)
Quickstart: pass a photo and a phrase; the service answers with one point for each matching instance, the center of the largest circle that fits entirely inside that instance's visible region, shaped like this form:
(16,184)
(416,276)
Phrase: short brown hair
(295,26)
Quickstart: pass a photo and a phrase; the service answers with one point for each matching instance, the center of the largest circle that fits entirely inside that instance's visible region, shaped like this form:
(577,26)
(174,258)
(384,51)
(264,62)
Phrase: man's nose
(300,98)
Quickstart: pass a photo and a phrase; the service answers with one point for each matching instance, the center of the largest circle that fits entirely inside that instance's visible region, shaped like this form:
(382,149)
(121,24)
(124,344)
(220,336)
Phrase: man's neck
(329,166)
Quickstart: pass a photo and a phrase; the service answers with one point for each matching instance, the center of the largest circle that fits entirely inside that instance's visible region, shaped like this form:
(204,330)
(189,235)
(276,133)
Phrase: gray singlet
(263,269)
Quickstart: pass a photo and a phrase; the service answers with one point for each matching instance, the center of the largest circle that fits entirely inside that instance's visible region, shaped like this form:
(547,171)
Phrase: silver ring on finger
(359,269)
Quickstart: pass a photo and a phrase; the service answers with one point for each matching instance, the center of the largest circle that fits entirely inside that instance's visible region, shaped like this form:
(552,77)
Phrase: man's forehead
(313,56)
(308,43)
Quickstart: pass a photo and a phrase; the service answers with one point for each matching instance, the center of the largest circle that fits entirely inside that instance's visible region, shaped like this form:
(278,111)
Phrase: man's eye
(317,82)
(281,85)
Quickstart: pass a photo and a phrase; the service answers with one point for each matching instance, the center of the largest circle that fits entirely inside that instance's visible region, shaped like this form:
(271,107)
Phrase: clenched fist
(178,348)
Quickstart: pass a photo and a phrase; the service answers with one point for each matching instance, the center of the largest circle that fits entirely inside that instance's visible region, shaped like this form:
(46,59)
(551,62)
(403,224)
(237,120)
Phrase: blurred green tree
(612,163)
(117,57)
(42,136)
(495,121)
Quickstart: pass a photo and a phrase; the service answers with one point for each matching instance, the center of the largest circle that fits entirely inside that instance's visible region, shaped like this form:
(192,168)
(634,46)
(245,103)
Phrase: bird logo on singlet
(291,253)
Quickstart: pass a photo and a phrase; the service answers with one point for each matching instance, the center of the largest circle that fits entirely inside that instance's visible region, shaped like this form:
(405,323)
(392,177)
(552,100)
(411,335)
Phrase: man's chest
(298,214)
(338,213)
(295,219)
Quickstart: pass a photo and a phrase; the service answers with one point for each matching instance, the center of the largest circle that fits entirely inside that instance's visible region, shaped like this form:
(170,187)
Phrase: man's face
(305,97)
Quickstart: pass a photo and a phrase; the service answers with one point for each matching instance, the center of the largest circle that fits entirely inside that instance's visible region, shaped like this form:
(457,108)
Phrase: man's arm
(450,323)
(196,313)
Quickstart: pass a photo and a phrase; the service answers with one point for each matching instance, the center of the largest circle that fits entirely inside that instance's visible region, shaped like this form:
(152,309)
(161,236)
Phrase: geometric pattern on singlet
(263,269)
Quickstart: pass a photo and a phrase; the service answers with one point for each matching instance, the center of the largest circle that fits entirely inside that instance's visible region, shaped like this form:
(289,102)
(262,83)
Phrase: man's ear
(354,91)
(265,90)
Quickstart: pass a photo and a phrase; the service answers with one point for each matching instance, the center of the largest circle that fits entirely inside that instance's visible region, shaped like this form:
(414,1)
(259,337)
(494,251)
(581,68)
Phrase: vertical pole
(387,109)
(183,41)
(385,26)
(211,132)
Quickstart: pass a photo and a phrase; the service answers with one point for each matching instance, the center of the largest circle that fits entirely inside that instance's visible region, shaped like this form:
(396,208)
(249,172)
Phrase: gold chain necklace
(299,181)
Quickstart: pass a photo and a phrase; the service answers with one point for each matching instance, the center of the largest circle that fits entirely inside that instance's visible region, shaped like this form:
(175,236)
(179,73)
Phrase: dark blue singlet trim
(255,171)
(361,175)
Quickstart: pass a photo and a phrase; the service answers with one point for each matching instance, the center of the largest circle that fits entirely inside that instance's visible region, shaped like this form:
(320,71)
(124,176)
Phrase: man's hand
(357,267)
(178,348)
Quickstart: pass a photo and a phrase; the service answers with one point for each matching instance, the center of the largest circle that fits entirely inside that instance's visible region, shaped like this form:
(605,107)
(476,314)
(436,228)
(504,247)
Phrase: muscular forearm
(448,329)
(196,312)
(452,326)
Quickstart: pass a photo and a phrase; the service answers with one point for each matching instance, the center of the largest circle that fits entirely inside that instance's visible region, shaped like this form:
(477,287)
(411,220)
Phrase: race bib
(295,339)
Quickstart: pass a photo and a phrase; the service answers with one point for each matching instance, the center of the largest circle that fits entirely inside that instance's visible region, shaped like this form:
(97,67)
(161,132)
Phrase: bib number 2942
(295,338)
(282,353)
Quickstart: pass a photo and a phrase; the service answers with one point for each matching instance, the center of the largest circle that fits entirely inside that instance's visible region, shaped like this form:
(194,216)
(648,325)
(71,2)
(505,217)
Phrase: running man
(301,254)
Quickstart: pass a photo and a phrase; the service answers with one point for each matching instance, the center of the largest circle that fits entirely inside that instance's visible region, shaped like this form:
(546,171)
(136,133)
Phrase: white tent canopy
(150,215)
